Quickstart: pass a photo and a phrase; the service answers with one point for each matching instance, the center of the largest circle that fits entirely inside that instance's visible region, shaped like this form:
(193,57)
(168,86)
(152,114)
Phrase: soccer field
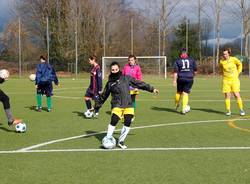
(201,147)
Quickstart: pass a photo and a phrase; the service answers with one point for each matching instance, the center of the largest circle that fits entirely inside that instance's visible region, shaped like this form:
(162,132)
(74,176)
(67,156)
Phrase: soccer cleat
(39,109)
(122,145)
(228,113)
(242,113)
(88,114)
(15,122)
(49,110)
(183,112)
(95,115)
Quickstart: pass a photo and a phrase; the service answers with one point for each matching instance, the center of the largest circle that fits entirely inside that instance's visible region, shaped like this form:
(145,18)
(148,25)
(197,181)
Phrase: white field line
(129,149)
(134,128)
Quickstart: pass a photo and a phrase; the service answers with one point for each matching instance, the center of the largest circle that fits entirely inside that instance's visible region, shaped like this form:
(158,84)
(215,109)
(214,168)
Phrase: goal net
(151,66)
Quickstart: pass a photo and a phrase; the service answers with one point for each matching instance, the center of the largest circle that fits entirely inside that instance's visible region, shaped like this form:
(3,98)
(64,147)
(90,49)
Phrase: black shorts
(184,85)
(45,88)
(89,93)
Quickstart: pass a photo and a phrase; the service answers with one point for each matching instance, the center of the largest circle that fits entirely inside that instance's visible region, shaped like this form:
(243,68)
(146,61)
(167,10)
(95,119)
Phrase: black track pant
(5,100)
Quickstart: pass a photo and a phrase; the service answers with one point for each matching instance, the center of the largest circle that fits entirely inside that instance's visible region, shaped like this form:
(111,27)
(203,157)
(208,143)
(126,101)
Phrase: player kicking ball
(121,102)
(6,101)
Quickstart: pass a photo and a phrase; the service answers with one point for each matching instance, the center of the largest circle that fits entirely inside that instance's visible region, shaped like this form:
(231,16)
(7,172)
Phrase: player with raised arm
(121,103)
(231,68)
(184,71)
(94,89)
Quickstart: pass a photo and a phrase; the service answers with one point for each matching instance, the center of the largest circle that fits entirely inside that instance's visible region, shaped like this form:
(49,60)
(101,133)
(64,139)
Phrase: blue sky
(4,13)
(230,29)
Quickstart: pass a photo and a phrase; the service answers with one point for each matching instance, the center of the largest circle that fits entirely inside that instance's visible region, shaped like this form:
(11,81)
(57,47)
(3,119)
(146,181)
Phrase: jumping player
(231,68)
(94,89)
(45,75)
(184,70)
(121,103)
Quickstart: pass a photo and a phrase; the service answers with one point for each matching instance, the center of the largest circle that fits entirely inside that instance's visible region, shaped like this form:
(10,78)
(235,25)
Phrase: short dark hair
(114,63)
(229,50)
(93,57)
(41,57)
(132,56)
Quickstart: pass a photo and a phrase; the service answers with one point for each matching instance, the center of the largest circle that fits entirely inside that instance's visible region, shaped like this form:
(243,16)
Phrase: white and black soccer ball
(21,127)
(187,109)
(108,142)
(4,74)
(32,77)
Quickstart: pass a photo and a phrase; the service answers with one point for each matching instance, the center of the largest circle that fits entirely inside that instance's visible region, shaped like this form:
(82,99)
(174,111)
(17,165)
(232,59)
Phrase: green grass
(206,126)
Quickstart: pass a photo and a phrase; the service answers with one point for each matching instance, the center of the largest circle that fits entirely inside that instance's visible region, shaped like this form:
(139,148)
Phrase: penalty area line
(132,128)
(129,149)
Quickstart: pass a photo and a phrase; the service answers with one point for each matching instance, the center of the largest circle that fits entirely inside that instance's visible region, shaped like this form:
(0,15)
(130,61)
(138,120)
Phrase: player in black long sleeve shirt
(6,105)
(121,102)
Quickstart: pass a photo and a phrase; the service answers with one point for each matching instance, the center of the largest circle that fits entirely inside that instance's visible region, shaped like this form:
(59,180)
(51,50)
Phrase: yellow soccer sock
(240,104)
(227,102)
(177,99)
(184,101)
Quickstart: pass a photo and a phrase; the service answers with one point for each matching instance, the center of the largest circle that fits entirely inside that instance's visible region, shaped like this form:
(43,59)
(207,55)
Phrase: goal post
(152,66)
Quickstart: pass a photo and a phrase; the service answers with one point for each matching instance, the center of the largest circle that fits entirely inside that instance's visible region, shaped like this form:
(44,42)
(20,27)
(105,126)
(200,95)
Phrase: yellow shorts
(134,92)
(121,111)
(231,86)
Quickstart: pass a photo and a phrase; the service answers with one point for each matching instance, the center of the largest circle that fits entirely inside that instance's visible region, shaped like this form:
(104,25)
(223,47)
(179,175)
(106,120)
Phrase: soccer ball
(187,109)
(108,143)
(4,74)
(32,77)
(21,127)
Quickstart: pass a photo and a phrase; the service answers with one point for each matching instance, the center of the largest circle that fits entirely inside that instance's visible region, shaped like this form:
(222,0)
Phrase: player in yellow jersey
(231,67)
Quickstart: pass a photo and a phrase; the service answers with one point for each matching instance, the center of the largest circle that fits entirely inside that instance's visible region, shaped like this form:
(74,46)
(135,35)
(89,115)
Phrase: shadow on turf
(99,136)
(33,108)
(108,112)
(208,110)
(79,113)
(6,129)
(165,109)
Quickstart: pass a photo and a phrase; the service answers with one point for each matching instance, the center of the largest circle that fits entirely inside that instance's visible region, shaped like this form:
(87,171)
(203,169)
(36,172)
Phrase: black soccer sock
(5,100)
(88,104)
(128,119)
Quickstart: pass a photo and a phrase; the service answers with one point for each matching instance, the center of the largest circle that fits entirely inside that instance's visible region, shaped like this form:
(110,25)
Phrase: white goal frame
(138,57)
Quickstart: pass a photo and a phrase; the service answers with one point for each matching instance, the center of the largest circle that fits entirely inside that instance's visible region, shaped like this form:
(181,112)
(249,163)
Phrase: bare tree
(167,9)
(240,9)
(206,30)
